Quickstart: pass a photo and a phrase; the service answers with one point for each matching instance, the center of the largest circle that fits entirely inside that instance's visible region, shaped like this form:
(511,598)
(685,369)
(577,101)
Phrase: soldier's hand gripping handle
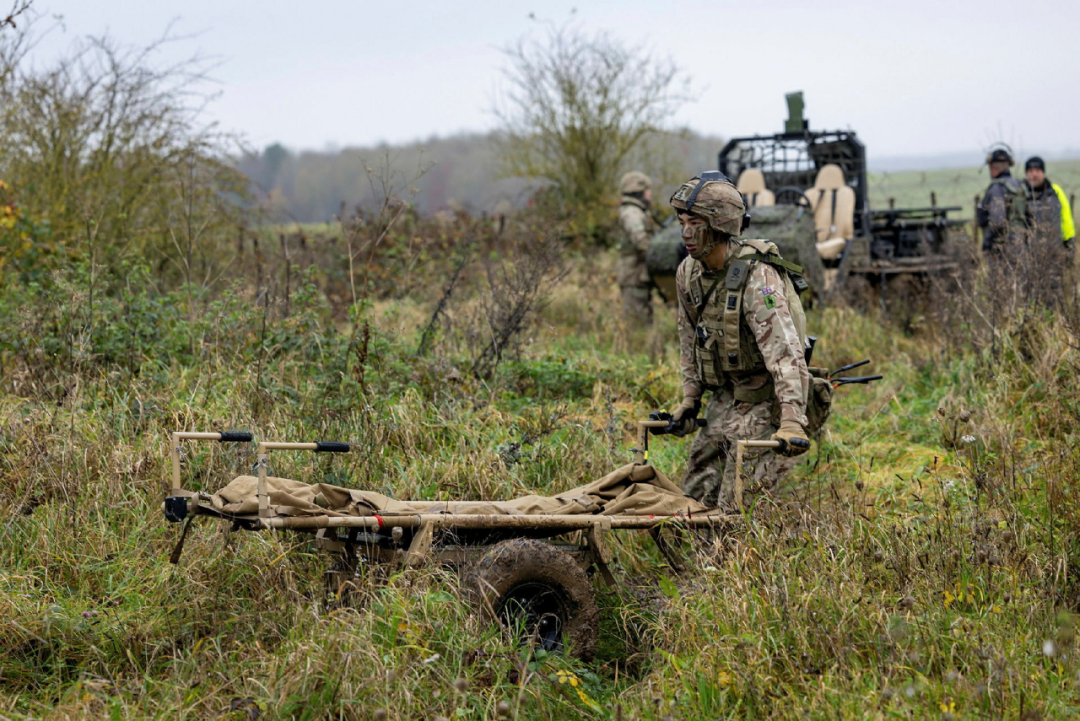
(792,439)
(673,428)
(684,417)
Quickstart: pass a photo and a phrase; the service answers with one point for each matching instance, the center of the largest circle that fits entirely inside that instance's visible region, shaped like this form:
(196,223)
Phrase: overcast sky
(913,78)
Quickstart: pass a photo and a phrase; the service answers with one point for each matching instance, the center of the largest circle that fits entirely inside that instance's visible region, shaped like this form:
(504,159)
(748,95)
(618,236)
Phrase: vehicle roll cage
(794,159)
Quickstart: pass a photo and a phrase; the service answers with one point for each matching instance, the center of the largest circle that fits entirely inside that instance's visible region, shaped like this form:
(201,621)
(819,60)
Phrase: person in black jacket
(1002,212)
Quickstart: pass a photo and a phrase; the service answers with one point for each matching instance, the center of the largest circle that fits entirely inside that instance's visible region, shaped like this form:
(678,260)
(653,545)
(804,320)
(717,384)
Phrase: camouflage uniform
(635,229)
(750,405)
(1001,214)
(741,336)
(1002,211)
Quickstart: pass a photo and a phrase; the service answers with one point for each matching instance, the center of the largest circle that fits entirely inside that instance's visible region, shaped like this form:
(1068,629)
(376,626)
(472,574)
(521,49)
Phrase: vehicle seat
(833,201)
(752,185)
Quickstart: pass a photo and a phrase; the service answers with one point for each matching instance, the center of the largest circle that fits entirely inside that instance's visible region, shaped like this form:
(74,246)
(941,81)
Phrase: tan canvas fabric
(630,490)
(752,185)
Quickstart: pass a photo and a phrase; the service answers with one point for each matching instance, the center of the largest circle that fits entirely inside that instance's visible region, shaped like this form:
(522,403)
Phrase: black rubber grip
(845,380)
(235,437)
(331,447)
(700,422)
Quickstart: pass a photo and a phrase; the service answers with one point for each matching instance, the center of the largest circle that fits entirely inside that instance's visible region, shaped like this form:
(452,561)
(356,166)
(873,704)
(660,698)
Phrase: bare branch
(18,8)
(577,109)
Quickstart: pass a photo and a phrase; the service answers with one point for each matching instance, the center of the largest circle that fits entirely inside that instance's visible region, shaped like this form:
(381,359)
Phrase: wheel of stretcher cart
(538,593)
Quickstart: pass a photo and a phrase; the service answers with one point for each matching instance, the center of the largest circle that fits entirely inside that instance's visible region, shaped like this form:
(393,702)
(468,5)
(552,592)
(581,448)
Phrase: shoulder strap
(777,261)
(1011,188)
(708,294)
(832,215)
(767,252)
(1019,201)
(696,314)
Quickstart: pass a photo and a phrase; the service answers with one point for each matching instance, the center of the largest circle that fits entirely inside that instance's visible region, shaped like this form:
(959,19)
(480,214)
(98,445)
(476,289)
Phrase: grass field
(921,562)
(955,186)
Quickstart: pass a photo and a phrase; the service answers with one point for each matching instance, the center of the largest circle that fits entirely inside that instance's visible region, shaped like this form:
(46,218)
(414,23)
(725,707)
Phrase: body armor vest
(1015,204)
(1044,212)
(725,348)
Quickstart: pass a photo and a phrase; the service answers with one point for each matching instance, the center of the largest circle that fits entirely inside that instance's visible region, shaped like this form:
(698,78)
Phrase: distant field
(955,186)
(911,188)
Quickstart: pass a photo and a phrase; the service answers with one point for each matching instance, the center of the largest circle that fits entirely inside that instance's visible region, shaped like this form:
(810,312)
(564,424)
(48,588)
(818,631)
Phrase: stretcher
(526,561)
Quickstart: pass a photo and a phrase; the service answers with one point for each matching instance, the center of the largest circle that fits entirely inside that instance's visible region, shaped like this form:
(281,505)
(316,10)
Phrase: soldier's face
(1035,177)
(693,231)
(700,240)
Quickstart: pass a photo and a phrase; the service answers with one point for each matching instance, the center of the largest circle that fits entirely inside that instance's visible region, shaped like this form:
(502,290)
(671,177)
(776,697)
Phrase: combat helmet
(634,182)
(713,197)
(1000,153)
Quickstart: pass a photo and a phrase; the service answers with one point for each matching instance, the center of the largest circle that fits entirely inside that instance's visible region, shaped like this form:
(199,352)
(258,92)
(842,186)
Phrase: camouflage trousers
(710,472)
(636,290)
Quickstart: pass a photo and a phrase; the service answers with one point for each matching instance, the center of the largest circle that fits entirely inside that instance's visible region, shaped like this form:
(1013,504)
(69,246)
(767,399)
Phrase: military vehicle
(806,190)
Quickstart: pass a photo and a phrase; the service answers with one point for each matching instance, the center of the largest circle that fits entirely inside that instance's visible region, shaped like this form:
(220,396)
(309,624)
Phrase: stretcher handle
(761,444)
(219,436)
(331,447)
(741,446)
(848,367)
(858,379)
(660,423)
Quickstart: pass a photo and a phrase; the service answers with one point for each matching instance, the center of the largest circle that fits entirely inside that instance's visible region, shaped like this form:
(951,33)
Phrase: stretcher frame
(417,539)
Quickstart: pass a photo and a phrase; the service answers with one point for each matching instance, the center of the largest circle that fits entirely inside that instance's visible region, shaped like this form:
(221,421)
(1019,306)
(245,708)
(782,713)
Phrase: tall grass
(919,563)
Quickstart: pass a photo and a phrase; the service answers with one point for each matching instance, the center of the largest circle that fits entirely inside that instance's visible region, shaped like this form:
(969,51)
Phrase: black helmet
(1000,153)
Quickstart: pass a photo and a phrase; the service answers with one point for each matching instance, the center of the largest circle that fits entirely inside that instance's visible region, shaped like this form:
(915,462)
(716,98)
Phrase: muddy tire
(538,592)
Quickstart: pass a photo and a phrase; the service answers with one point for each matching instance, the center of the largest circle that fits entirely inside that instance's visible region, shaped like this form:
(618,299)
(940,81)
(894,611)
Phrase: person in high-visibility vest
(1049,215)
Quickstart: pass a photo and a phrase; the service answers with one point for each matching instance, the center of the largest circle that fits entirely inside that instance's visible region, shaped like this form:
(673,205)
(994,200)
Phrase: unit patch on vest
(770,301)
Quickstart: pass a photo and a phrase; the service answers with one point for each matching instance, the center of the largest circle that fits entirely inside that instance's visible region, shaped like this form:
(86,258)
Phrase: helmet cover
(634,182)
(717,201)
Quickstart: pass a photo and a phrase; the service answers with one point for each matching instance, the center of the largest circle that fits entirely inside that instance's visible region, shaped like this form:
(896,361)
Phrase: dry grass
(905,571)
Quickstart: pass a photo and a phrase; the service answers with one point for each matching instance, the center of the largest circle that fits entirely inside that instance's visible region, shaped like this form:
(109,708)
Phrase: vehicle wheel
(539,592)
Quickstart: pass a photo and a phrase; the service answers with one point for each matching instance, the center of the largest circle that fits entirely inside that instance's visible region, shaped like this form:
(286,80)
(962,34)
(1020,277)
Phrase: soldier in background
(1049,215)
(635,229)
(1001,213)
(741,337)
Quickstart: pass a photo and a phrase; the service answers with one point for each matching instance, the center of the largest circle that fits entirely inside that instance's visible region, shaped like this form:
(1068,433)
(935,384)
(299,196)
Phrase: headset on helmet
(1000,153)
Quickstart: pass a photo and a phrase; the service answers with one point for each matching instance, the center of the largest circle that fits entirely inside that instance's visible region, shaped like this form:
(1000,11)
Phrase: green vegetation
(906,569)
(922,562)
